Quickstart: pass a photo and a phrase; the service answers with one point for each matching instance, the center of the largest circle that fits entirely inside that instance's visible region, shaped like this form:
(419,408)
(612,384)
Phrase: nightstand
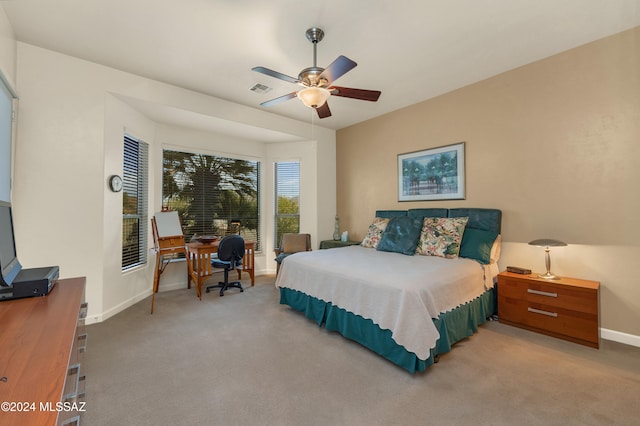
(567,308)
(328,244)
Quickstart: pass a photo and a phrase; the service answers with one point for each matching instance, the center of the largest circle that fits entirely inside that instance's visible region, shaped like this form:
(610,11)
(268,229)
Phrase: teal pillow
(477,243)
(401,235)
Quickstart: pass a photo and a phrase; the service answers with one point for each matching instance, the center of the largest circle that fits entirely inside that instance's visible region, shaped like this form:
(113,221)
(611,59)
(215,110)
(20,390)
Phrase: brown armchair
(291,243)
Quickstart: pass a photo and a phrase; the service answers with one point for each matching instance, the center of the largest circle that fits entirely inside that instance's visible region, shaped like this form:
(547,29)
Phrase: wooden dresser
(42,342)
(567,308)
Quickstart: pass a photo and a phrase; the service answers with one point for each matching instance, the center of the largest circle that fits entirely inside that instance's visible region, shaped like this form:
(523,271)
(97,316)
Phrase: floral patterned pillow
(376,229)
(441,236)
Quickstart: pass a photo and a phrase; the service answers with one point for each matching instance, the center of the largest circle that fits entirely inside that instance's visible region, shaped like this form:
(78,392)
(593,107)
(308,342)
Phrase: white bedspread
(397,292)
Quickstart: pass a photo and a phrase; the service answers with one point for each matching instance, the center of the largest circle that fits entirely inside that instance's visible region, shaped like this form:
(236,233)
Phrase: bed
(407,305)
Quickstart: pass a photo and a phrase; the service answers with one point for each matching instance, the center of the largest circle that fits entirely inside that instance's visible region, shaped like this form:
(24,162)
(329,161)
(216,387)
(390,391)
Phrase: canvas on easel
(168,241)
(167,231)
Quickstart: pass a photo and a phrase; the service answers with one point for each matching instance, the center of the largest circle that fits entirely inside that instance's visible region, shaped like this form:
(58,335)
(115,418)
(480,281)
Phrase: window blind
(209,192)
(6,122)
(134,203)
(287,199)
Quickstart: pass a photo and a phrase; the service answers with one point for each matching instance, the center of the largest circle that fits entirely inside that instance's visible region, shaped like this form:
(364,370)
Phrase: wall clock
(115,183)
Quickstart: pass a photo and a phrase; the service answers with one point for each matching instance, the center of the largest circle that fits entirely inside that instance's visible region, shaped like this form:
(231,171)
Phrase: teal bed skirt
(453,326)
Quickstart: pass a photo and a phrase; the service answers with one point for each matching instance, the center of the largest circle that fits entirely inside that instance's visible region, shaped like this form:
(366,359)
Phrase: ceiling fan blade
(279,99)
(337,69)
(361,94)
(275,74)
(324,111)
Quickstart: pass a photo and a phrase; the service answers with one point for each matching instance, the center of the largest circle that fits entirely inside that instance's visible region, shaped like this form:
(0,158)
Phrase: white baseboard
(617,336)
(118,308)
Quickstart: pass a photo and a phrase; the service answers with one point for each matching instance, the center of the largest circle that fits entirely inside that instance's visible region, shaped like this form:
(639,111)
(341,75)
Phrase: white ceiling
(411,50)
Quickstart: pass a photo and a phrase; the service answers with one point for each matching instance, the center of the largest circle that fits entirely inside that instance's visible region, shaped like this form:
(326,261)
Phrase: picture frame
(432,174)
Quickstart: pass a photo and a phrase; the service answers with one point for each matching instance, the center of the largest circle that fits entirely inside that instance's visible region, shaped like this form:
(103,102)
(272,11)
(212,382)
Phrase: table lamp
(546,243)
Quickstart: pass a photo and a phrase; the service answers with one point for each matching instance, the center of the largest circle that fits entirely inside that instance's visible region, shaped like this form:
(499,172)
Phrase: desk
(199,262)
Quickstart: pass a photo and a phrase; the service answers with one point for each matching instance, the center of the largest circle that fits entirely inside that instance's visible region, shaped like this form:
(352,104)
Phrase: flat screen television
(9,265)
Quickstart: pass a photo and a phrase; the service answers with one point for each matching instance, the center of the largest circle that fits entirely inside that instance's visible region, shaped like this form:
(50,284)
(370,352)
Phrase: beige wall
(554,144)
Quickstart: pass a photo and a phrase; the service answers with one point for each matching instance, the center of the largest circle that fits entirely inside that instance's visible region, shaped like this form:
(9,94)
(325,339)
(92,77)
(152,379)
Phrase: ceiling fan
(317,81)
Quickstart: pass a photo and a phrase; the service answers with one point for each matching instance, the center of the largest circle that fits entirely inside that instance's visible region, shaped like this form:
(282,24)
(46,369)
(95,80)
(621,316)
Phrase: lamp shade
(314,97)
(547,242)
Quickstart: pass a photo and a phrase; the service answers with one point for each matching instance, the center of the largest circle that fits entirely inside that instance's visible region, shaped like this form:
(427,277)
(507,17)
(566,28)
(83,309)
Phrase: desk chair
(230,254)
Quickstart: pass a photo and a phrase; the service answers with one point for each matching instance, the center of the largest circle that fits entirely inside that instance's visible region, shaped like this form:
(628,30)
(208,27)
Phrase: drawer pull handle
(542,293)
(82,314)
(538,311)
(73,374)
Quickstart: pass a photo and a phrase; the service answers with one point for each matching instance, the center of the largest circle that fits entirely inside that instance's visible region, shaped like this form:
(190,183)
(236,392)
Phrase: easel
(168,242)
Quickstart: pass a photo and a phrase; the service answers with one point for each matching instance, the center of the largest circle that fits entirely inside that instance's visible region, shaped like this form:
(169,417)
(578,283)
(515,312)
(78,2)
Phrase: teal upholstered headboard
(485,219)
(422,213)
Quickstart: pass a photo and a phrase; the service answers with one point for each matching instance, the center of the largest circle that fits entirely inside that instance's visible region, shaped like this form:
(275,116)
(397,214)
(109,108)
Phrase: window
(287,204)
(6,124)
(134,203)
(210,192)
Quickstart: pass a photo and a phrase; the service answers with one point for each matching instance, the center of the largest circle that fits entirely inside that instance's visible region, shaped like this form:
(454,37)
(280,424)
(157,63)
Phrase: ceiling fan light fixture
(314,97)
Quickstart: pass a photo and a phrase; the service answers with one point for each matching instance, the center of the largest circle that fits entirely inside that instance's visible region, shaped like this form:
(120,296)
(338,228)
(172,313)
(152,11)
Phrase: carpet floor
(244,359)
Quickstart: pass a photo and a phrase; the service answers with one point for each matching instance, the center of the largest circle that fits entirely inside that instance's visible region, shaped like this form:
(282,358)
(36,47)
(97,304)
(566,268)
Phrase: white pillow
(495,249)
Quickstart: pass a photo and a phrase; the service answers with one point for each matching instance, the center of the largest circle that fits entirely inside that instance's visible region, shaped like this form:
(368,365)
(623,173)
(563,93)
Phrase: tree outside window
(209,192)
(287,199)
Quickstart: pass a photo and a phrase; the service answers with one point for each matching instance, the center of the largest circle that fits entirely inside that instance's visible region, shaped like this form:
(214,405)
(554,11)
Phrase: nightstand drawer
(579,325)
(550,294)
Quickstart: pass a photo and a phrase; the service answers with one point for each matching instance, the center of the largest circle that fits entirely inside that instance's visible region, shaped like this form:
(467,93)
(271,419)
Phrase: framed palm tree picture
(432,174)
